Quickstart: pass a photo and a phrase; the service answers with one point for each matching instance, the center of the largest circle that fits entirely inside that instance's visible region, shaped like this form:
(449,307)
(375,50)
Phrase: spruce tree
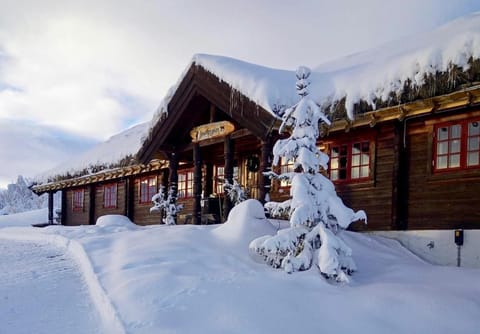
(317,214)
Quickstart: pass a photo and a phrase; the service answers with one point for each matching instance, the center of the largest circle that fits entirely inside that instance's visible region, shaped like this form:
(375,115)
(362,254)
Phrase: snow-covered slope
(201,279)
(102,156)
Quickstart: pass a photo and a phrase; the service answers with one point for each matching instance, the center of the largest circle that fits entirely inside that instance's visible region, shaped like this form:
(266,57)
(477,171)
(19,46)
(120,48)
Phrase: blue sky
(77,72)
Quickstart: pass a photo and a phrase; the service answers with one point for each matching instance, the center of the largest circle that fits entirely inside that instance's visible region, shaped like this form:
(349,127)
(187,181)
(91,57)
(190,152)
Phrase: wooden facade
(390,174)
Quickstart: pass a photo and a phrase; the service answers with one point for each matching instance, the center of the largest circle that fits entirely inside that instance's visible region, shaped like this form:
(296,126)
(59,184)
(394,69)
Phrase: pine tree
(317,214)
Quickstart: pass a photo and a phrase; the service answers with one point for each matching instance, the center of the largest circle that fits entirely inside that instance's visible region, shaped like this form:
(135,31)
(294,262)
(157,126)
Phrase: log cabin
(405,151)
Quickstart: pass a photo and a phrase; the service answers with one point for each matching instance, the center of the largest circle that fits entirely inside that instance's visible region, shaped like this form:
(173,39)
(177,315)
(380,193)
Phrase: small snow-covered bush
(317,214)
(235,192)
(167,204)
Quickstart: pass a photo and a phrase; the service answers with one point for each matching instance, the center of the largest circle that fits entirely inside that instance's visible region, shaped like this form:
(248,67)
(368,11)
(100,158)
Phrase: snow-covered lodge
(404,145)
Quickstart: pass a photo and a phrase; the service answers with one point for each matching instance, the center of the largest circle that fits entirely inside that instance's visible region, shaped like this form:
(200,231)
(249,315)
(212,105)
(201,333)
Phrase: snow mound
(115,223)
(246,221)
(24,218)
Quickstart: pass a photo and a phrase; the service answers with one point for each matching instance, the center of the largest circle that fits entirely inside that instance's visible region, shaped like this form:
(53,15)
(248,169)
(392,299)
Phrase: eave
(107,175)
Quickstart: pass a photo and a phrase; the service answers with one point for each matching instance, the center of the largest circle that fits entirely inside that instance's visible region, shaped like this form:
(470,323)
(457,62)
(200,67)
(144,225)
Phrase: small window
(185,184)
(219,178)
(457,145)
(148,188)
(350,161)
(286,166)
(110,196)
(78,199)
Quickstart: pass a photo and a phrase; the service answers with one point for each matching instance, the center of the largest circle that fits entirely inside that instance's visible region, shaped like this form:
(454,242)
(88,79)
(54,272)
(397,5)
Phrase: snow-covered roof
(112,153)
(367,76)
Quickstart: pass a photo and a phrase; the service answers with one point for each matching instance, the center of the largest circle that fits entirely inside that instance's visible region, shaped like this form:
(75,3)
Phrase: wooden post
(212,113)
(197,185)
(91,207)
(129,197)
(228,154)
(50,207)
(264,182)
(208,179)
(173,178)
(400,180)
(64,206)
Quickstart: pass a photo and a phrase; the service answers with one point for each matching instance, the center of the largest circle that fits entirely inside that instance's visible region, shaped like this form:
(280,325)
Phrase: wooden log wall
(74,218)
(445,200)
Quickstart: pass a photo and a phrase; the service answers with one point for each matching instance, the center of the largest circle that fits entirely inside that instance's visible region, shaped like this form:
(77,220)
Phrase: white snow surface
(107,153)
(201,279)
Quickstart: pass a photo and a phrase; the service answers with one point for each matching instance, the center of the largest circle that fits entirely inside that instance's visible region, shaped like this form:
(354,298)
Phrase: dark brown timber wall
(79,217)
(119,209)
(141,211)
(439,200)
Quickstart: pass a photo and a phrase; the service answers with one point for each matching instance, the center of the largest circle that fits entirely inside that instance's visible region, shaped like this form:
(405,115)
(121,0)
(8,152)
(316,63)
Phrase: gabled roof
(438,63)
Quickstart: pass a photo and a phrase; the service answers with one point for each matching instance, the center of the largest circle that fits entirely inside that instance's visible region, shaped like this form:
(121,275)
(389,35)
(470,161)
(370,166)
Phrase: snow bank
(115,223)
(25,218)
(246,221)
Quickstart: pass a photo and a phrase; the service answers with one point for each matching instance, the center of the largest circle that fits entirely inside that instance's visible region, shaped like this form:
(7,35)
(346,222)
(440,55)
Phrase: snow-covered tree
(317,214)
(235,192)
(167,204)
(18,197)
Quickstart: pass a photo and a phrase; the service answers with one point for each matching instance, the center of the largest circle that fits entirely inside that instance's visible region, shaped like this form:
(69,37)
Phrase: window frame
(285,166)
(188,183)
(146,198)
(110,196)
(219,178)
(463,152)
(78,199)
(349,163)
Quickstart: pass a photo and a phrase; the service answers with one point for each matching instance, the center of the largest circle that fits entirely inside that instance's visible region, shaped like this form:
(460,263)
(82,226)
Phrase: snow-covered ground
(42,291)
(202,279)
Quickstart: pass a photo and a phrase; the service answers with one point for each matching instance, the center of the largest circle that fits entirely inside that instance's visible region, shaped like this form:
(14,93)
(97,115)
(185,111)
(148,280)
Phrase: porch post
(50,207)
(228,154)
(64,207)
(265,166)
(197,184)
(173,178)
(92,206)
(208,179)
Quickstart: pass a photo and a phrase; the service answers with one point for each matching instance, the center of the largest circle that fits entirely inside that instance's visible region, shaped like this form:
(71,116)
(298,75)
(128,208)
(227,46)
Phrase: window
(110,195)
(185,184)
(286,166)
(148,188)
(457,145)
(78,199)
(219,178)
(350,161)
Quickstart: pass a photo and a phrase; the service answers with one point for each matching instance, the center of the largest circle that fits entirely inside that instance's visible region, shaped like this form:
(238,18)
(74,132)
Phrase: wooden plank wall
(141,211)
(445,200)
(119,209)
(74,218)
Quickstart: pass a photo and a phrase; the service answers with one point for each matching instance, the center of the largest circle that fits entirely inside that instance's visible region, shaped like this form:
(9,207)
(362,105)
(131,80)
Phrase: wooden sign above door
(211,130)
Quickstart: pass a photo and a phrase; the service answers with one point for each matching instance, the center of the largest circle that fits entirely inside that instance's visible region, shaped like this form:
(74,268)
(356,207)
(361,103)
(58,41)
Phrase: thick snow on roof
(378,72)
(362,76)
(102,156)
